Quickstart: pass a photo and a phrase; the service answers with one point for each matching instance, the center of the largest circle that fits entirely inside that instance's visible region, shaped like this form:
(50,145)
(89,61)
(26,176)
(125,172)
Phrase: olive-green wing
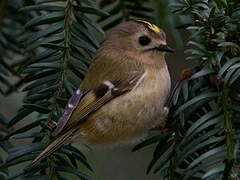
(99,96)
(105,80)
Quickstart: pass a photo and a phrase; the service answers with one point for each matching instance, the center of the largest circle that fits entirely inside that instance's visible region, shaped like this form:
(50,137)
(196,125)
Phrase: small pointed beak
(165,48)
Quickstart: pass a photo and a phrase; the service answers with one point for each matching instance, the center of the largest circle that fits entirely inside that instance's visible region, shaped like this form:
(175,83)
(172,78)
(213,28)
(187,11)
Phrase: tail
(55,145)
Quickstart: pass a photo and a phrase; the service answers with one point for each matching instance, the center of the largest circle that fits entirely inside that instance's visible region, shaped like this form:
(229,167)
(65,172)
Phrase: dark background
(117,163)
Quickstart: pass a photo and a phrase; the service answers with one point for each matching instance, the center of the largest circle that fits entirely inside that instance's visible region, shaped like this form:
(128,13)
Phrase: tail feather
(56,144)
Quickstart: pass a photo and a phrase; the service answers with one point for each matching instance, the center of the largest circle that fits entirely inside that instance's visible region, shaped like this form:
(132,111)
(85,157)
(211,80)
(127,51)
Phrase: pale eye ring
(144,40)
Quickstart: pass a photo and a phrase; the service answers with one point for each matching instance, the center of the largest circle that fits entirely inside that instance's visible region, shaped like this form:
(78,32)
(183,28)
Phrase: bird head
(138,37)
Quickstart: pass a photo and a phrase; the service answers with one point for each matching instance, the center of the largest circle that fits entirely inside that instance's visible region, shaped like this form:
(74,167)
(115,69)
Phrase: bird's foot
(161,127)
(51,125)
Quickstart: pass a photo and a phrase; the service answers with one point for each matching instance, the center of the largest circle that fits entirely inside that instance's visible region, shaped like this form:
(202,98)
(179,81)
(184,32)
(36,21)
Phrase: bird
(123,94)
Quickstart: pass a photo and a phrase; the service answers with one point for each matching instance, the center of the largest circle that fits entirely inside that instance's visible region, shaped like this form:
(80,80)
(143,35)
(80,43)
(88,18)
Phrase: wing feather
(114,90)
(70,107)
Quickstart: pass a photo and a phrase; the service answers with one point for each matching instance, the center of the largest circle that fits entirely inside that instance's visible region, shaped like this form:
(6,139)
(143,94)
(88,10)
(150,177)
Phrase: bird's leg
(51,125)
(161,127)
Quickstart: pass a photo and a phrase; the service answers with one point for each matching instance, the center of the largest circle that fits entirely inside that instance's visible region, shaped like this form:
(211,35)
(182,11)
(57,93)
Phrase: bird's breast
(131,115)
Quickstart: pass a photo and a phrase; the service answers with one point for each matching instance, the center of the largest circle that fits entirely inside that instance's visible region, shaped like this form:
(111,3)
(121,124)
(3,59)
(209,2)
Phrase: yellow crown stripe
(151,26)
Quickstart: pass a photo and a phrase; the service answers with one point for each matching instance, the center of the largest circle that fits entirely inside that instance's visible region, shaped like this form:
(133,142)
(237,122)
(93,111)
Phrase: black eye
(144,40)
